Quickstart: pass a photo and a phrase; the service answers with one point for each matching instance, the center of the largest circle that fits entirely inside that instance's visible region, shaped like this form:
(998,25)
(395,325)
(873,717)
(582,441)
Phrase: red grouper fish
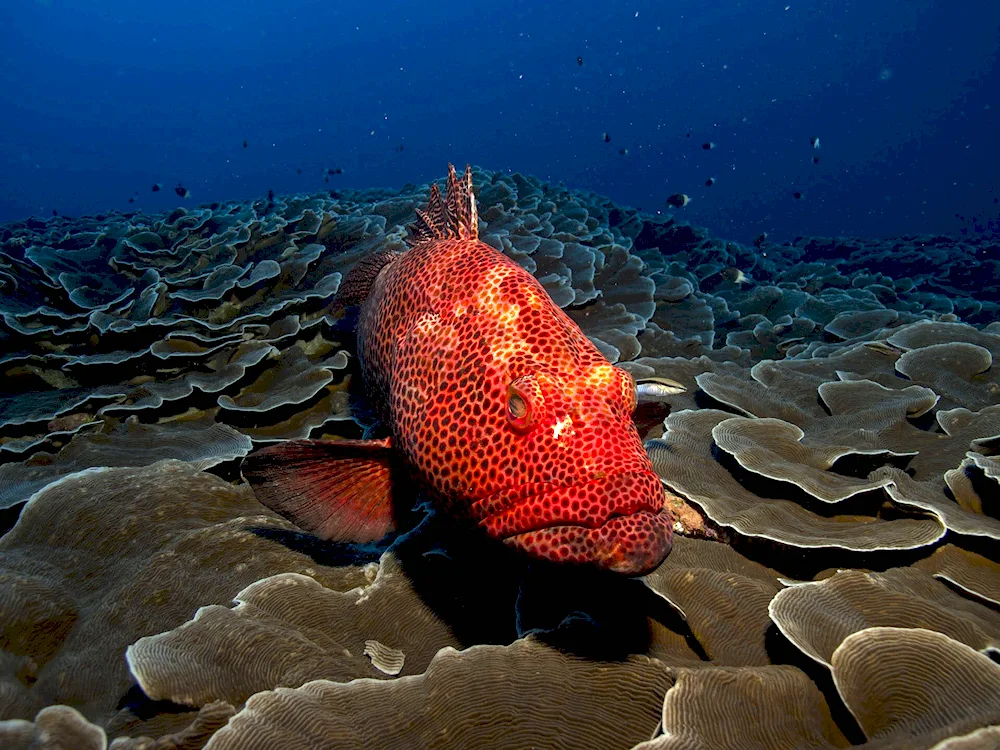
(494,400)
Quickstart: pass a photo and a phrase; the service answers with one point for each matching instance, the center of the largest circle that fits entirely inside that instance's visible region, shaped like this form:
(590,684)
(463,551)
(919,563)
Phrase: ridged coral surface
(826,426)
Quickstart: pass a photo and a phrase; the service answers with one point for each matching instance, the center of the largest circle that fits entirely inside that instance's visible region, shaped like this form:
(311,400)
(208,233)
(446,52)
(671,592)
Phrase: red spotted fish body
(494,399)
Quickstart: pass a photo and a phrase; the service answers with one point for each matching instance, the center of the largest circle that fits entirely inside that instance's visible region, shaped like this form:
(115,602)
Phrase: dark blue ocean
(103,100)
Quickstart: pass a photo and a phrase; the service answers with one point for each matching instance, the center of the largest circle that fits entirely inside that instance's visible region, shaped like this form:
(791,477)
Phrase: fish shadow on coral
(488,593)
(141,706)
(593,613)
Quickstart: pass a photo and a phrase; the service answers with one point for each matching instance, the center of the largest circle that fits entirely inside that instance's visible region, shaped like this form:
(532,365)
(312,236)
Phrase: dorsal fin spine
(455,216)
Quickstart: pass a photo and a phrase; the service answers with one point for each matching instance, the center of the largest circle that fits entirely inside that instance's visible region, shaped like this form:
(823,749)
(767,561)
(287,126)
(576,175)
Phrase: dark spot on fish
(399,148)
(815,160)
(797,195)
(760,239)
(299,170)
(336,170)
(54,212)
(156,187)
(131,199)
(678,200)
(270,196)
(579,61)
(182,191)
(708,145)
(623,151)
(709,182)
(244,144)
(606,137)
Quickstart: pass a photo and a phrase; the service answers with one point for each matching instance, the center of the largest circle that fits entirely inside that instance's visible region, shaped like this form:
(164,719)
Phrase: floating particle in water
(579,61)
(678,200)
(244,144)
(156,187)
(760,239)
(814,141)
(709,182)
(797,195)
(885,74)
(708,145)
(623,151)
(606,137)
(182,191)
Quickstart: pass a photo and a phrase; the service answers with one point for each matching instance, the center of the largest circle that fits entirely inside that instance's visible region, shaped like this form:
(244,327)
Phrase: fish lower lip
(632,544)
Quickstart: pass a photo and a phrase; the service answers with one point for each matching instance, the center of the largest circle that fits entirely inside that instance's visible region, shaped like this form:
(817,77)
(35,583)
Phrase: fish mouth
(630,545)
(617,523)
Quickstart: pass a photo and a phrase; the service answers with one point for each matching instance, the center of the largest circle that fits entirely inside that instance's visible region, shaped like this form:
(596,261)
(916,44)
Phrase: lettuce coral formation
(833,423)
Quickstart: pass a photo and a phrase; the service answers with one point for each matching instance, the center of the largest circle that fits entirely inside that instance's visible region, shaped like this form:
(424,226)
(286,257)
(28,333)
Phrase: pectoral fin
(336,489)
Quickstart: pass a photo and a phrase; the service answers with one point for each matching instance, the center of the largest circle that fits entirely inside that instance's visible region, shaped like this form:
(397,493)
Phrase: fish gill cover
(805,309)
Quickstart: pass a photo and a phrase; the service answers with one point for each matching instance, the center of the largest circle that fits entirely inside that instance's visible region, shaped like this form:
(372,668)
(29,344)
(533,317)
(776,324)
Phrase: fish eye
(520,398)
(516,406)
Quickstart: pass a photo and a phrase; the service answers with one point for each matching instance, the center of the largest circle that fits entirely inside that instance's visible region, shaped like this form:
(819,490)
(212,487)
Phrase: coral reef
(829,417)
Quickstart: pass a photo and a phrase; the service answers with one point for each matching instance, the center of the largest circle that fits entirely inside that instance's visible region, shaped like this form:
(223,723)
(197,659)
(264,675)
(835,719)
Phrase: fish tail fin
(357,285)
(454,216)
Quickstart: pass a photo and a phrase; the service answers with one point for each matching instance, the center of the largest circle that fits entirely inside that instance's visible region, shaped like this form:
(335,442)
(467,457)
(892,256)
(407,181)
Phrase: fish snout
(620,524)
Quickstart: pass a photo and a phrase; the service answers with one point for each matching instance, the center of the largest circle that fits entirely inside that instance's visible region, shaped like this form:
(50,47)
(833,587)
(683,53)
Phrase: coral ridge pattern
(825,426)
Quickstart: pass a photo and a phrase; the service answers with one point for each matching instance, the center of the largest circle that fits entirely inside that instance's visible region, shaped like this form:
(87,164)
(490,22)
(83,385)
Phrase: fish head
(533,439)
(515,419)
(579,486)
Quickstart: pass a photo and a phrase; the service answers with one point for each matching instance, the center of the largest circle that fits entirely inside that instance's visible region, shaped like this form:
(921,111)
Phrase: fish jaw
(617,523)
(630,545)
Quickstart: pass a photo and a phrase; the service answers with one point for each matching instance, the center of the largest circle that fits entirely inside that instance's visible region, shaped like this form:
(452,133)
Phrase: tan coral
(818,617)
(112,555)
(519,696)
(973,573)
(303,632)
(723,597)
(684,460)
(915,687)
(723,708)
(54,728)
(207,722)
(775,449)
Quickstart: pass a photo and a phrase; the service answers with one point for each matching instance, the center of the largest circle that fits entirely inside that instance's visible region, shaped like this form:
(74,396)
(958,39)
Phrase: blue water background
(102,99)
